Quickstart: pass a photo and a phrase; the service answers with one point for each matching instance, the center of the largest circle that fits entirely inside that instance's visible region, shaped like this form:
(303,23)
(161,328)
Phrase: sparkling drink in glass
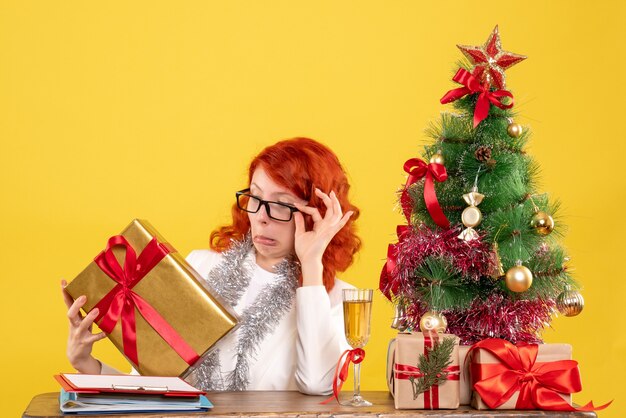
(357,312)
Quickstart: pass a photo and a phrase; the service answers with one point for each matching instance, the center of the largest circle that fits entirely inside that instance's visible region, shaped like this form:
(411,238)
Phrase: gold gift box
(175,290)
(405,350)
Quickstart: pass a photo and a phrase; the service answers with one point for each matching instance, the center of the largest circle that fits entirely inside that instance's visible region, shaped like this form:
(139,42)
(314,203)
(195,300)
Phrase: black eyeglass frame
(266,203)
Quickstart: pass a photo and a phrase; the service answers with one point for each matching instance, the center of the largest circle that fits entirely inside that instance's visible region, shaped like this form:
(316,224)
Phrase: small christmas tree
(479,254)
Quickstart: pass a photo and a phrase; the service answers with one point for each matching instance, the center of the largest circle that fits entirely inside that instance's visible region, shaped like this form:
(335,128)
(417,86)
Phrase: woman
(292,230)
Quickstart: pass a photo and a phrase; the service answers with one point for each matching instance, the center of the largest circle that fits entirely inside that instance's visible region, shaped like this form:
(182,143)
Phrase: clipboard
(130,384)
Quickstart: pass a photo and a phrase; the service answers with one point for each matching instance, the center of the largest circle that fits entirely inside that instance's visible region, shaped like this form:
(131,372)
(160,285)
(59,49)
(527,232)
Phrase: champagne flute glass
(357,311)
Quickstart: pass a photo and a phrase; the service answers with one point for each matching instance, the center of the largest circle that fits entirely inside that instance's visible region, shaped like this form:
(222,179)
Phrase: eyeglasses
(275,210)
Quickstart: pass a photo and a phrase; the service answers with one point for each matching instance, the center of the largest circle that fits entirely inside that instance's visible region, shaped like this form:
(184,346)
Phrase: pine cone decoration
(483,154)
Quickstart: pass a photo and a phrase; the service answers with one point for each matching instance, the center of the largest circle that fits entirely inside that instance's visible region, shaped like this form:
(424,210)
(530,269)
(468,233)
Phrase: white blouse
(302,351)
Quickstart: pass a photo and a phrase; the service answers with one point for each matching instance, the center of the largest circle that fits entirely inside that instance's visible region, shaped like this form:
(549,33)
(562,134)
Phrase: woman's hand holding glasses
(310,245)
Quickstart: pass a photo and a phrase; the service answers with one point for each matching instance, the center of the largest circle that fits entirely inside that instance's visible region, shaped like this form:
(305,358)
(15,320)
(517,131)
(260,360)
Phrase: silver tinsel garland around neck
(230,279)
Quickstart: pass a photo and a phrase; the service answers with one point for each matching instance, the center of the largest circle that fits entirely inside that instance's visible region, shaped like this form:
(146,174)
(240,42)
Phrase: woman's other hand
(310,245)
(81,339)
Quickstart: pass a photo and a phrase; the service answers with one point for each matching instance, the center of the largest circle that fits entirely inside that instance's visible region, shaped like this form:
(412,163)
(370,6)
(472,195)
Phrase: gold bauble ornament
(570,303)
(433,322)
(471,216)
(437,158)
(518,278)
(514,130)
(542,223)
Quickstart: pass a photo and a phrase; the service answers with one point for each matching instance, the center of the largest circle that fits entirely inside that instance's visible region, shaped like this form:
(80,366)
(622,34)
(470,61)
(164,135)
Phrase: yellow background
(115,110)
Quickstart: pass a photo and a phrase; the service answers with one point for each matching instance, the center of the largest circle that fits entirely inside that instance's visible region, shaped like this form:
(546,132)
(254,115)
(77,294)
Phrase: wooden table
(294,404)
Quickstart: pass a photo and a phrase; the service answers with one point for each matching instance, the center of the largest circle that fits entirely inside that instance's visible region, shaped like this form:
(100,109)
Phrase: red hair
(301,165)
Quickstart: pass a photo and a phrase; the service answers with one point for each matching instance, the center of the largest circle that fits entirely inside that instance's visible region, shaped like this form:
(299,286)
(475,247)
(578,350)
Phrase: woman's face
(273,240)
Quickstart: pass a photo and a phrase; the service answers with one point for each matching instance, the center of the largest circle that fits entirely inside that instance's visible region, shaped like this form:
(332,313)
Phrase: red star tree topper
(490,60)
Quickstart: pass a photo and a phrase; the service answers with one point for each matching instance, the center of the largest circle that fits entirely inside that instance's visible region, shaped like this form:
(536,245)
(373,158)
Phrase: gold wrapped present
(154,307)
(406,381)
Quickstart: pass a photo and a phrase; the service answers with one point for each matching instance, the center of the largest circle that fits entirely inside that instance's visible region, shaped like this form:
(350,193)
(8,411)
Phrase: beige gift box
(465,381)
(403,353)
(546,353)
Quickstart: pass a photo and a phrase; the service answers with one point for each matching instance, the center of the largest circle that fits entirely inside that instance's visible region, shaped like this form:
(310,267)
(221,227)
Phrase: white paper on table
(130,382)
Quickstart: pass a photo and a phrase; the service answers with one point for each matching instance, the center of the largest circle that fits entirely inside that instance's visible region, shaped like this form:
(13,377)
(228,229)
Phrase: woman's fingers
(333,211)
(310,245)
(336,204)
(66,296)
(330,209)
(85,324)
(333,218)
(299,220)
(95,337)
(313,212)
(345,219)
(73,313)
(336,227)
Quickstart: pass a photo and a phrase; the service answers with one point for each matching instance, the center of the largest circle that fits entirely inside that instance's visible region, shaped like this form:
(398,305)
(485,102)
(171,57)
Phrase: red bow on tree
(485,98)
(388,283)
(418,169)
